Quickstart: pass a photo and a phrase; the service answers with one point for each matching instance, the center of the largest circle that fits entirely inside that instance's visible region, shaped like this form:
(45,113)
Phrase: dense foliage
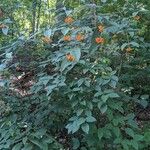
(74,75)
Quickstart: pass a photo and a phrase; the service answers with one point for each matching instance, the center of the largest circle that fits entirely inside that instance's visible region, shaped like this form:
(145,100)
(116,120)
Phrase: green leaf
(80,81)
(144,96)
(75,126)
(24,140)
(27,147)
(134,44)
(123,46)
(50,88)
(17,146)
(134,144)
(103,1)
(115,122)
(2,67)
(144,103)
(5,30)
(104,98)
(48,32)
(125,145)
(40,144)
(88,113)
(85,127)
(129,131)
(100,133)
(138,137)
(65,30)
(103,109)
(76,143)
(90,105)
(87,83)
(40,133)
(80,121)
(147,136)
(79,112)
(65,64)
(113,95)
(90,119)
(76,52)
(83,103)
(116,131)
(68,12)
(99,105)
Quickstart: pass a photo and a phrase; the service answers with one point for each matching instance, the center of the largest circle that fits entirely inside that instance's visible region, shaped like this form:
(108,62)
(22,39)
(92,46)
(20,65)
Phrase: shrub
(88,76)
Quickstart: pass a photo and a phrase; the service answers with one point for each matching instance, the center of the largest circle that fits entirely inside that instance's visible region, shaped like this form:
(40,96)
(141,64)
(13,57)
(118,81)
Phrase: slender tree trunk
(38,15)
(34,6)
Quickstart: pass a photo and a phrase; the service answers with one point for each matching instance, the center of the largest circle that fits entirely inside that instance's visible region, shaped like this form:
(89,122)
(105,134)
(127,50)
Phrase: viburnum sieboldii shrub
(84,79)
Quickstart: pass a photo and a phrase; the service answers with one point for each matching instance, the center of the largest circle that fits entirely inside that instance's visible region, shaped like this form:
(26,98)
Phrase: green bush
(82,81)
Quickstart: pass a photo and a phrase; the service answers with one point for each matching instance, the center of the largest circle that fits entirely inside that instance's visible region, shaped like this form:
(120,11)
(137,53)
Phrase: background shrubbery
(74,75)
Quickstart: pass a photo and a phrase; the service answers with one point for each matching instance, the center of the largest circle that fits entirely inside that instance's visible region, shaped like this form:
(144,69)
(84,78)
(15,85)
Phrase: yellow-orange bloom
(70,57)
(137,18)
(129,49)
(100,28)
(46,39)
(99,40)
(67,38)
(79,37)
(69,20)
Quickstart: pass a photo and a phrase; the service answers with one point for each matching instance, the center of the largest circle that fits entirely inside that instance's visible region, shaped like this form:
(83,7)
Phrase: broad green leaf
(144,103)
(27,146)
(85,128)
(104,98)
(17,146)
(75,126)
(138,137)
(123,46)
(79,112)
(40,144)
(50,88)
(134,44)
(113,95)
(134,144)
(104,1)
(125,145)
(5,30)
(2,67)
(129,131)
(103,109)
(76,143)
(65,30)
(90,119)
(100,133)
(48,32)
(80,121)
(65,64)
(116,131)
(76,52)
(24,140)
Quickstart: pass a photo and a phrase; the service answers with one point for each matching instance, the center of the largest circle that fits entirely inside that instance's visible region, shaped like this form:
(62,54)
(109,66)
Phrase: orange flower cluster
(79,37)
(137,18)
(129,49)
(3,26)
(46,39)
(100,28)
(69,20)
(67,38)
(99,40)
(70,57)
